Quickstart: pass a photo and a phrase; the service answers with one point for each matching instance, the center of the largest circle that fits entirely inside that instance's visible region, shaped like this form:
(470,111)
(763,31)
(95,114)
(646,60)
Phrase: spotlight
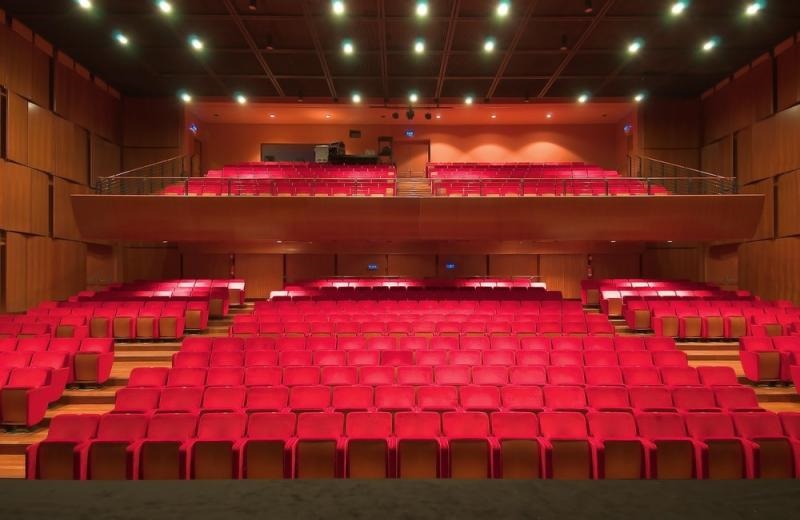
(588,9)
(84,4)
(338,7)
(196,43)
(678,8)
(410,114)
(488,45)
(639,97)
(413,97)
(710,44)
(165,7)
(583,98)
(428,116)
(121,38)
(422,9)
(253,5)
(419,46)
(185,97)
(564,42)
(503,8)
(468,100)
(348,48)
(395,115)
(241,99)
(753,8)
(356,97)
(635,46)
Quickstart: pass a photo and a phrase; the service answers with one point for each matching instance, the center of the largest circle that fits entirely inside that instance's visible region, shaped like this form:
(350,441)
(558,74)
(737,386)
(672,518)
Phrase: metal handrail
(149,166)
(674,165)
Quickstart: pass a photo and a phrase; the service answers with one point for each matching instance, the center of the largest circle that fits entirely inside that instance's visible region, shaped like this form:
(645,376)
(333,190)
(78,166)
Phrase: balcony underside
(252,219)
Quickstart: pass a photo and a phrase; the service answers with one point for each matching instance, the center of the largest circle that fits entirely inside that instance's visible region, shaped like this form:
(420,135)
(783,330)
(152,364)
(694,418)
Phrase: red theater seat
(214,451)
(265,453)
(419,445)
(368,445)
(674,455)
(725,455)
(107,456)
(569,452)
(469,450)
(317,450)
(57,457)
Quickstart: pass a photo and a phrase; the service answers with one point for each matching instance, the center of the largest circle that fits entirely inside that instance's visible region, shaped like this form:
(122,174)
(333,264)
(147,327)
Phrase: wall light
(413,97)
(419,46)
(635,46)
(710,44)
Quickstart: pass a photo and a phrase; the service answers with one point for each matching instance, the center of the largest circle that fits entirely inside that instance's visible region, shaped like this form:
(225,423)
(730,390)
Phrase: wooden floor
(158,354)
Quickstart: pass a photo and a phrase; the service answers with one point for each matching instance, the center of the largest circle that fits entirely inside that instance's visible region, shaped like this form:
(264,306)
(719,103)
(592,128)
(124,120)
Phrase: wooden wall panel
(766,223)
(774,144)
(40,77)
(717,157)
(563,273)
(206,266)
(309,267)
(15,192)
(465,265)
(41,262)
(671,124)
(689,157)
(788,77)
(513,265)
(136,157)
(16,269)
(788,218)
(106,159)
(68,269)
(18,55)
(152,122)
(39,203)
(63,218)
(261,273)
(768,268)
(101,265)
(358,265)
(150,263)
(106,115)
(17,136)
(72,150)
(722,266)
(673,264)
(622,265)
(743,142)
(414,266)
(41,148)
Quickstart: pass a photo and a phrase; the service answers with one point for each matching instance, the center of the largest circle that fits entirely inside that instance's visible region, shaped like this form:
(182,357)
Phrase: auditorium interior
(450,257)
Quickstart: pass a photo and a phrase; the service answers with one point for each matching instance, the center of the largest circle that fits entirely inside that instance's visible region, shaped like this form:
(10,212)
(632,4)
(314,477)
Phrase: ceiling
(293,48)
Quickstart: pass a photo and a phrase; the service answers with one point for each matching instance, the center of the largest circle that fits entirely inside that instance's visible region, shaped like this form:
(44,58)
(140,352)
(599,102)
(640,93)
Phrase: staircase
(413,187)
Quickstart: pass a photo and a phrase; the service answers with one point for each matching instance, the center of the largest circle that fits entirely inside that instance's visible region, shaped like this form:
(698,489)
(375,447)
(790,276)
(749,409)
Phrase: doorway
(411,157)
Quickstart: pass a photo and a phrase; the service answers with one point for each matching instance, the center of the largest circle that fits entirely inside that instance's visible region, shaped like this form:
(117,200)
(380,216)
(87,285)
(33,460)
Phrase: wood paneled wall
(670,131)
(60,124)
(756,113)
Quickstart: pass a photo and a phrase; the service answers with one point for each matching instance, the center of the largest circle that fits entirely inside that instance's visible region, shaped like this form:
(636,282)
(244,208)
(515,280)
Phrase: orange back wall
(596,144)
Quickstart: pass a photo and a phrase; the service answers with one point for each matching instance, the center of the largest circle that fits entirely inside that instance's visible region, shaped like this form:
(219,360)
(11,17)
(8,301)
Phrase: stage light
(348,48)
(468,100)
(710,44)
(583,98)
(84,4)
(678,8)
(121,38)
(753,8)
(165,7)
(356,97)
(338,7)
(185,97)
(241,99)
(503,8)
(635,46)
(422,9)
(196,43)
(639,97)
(413,97)
(419,46)
(489,45)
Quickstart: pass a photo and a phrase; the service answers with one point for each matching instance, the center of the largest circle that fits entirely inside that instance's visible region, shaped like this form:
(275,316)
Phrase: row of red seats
(549,328)
(769,358)
(591,288)
(614,302)
(556,445)
(464,307)
(413,294)
(545,188)
(201,287)
(452,375)
(304,170)
(89,360)
(298,187)
(433,398)
(422,343)
(416,283)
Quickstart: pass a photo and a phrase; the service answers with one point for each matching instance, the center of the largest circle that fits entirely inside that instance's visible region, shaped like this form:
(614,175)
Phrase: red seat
(214,452)
(437,398)
(190,359)
(603,376)
(301,375)
(414,375)
(223,399)
(674,454)
(490,375)
(267,399)
(725,455)
(565,398)
(148,377)
(419,447)
(469,450)
(263,376)
(527,375)
(313,398)
(180,400)
(690,399)
(518,449)
(368,445)
(265,451)
(717,376)
(352,398)
(395,398)
(318,446)
(651,398)
(776,455)
(737,399)
(571,375)
(56,457)
(159,455)
(569,451)
(621,452)
(479,398)
(338,375)
(452,375)
(608,398)
(25,397)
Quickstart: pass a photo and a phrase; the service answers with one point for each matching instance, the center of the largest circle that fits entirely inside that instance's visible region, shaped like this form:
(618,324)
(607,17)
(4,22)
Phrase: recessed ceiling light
(196,43)
(678,8)
(669,241)
(419,46)
(489,45)
(413,97)
(272,116)
(710,44)
(279,241)
(328,116)
(468,100)
(185,97)
(241,99)
(639,97)
(503,8)
(753,8)
(338,7)
(356,97)
(588,9)
(422,9)
(613,241)
(438,116)
(121,38)
(493,116)
(583,98)
(635,46)
(549,115)
(84,4)
(165,7)
(348,47)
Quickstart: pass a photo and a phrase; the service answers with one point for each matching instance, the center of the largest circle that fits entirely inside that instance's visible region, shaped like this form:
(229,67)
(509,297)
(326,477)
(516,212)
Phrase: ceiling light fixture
(164,6)
(635,46)
(121,38)
(84,4)
(419,46)
(564,42)
(468,100)
(438,116)
(583,98)
(253,5)
(348,48)
(272,116)
(185,97)
(549,115)
(356,97)
(639,97)
(588,9)
(338,7)
(422,9)
(753,8)
(489,45)
(328,116)
(493,116)
(710,44)
(413,97)
(503,8)
(678,8)
(196,43)
(241,99)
